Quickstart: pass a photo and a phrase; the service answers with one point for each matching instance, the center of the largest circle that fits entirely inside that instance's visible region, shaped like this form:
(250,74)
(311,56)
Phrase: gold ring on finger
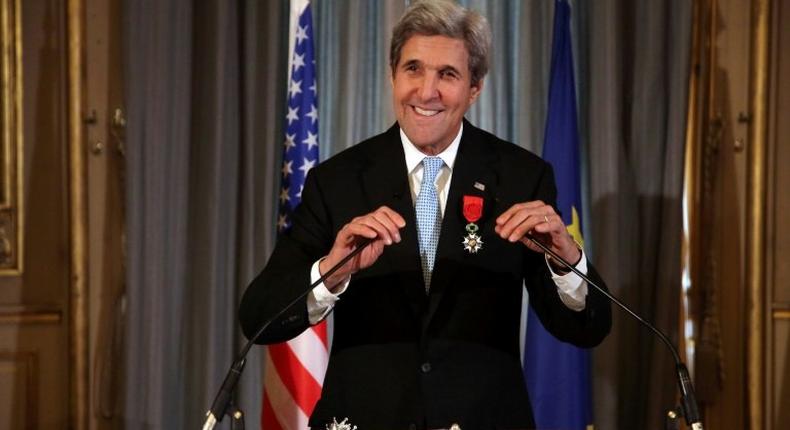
(546,217)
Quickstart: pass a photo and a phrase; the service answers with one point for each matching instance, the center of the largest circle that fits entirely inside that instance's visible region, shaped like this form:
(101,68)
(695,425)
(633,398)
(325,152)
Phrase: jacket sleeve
(287,273)
(585,328)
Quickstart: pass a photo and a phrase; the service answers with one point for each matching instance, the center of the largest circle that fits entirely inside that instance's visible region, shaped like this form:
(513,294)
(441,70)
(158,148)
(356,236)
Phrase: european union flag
(557,373)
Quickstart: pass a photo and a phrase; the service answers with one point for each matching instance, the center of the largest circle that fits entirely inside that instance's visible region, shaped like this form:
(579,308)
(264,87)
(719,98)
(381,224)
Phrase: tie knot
(431,166)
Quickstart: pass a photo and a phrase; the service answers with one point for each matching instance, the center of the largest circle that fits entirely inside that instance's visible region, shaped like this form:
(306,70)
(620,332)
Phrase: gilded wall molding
(21,314)
(11,148)
(756,214)
(78,215)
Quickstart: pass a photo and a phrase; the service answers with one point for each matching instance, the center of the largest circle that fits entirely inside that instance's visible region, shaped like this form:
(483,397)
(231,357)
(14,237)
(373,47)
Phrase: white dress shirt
(572,289)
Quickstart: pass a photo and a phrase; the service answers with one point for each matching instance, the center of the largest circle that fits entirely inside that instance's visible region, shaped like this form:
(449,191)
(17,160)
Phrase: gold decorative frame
(78,224)
(11,148)
(26,314)
(755,214)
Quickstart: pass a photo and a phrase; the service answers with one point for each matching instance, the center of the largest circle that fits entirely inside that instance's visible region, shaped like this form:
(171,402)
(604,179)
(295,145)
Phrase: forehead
(437,51)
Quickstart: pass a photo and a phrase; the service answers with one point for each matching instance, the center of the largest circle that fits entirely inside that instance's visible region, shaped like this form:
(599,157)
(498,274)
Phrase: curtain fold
(205,91)
(204,84)
(158,67)
(634,74)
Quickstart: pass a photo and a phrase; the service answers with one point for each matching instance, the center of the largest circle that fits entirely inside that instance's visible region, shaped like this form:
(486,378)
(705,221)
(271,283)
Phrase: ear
(476,90)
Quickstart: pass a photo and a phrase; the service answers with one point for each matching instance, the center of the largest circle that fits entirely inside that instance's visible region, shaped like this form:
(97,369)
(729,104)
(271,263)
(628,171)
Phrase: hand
(382,225)
(543,223)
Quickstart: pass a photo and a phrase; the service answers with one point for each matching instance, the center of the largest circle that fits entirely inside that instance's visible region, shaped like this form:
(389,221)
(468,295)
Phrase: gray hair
(445,18)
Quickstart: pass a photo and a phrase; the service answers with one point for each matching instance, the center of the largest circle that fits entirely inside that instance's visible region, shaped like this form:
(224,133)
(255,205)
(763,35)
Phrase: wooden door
(37,360)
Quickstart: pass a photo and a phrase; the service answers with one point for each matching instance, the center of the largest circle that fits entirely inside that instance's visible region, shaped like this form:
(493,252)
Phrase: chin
(422,138)
(424,142)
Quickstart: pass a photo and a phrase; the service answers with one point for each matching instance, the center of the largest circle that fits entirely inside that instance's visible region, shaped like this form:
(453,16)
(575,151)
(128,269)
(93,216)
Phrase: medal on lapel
(473,210)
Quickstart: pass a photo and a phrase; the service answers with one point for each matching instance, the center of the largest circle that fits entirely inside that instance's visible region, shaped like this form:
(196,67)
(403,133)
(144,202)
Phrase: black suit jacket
(402,358)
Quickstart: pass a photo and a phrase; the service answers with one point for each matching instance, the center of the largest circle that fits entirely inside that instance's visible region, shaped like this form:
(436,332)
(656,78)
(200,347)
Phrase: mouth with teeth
(426,112)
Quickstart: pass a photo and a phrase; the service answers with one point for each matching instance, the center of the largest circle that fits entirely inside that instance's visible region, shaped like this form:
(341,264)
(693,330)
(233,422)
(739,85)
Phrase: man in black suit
(426,318)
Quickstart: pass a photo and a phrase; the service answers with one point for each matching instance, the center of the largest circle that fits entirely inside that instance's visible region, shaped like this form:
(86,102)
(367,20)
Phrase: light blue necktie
(429,216)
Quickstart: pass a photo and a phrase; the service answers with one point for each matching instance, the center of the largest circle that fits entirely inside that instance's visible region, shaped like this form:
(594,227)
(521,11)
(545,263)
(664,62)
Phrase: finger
(511,218)
(531,239)
(390,224)
(375,249)
(352,231)
(506,215)
(394,216)
(531,205)
(529,242)
(520,223)
(506,229)
(521,230)
(552,223)
(381,230)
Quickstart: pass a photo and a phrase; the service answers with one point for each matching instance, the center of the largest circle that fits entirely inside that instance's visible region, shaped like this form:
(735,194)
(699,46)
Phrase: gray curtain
(633,73)
(205,85)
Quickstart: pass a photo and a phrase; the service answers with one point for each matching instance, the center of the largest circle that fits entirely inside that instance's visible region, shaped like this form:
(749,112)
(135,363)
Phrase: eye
(449,74)
(411,66)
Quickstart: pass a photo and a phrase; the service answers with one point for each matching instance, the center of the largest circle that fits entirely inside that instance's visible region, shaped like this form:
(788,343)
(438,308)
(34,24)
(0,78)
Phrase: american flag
(295,369)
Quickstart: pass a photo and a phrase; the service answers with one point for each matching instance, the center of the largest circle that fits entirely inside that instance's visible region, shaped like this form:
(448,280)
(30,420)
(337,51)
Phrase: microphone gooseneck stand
(688,399)
(223,402)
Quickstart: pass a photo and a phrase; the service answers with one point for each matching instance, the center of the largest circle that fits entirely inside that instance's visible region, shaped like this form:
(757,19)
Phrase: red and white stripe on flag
(293,379)
(294,371)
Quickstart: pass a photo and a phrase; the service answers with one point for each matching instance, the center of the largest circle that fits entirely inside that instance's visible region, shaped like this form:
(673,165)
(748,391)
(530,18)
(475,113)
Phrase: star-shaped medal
(472,243)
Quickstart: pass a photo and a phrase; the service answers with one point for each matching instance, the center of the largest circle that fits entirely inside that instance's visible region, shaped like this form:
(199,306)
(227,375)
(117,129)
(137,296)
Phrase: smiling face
(432,90)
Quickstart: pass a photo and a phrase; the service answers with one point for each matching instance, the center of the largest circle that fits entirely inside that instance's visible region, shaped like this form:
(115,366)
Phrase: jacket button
(426,367)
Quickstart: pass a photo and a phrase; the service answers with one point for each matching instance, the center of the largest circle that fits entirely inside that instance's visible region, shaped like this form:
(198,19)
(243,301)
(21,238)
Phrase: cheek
(454,97)
(400,95)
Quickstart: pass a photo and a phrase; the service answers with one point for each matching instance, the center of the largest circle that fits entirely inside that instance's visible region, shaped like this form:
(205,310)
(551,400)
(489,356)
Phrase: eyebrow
(450,69)
(446,67)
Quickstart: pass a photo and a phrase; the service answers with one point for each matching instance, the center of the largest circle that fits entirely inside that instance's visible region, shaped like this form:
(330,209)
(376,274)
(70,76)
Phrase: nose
(429,88)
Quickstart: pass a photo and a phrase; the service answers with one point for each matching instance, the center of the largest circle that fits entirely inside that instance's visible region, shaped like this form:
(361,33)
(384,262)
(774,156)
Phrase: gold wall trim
(36,318)
(782,314)
(11,144)
(78,303)
(691,194)
(30,315)
(755,214)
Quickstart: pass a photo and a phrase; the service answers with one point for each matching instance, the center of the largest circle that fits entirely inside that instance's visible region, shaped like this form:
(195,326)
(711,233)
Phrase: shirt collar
(414,156)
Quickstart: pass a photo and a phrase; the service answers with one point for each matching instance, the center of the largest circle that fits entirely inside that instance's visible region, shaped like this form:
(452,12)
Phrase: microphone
(688,398)
(223,403)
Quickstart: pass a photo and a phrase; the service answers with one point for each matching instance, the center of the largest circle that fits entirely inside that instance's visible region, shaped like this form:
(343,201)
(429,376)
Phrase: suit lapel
(475,164)
(385,182)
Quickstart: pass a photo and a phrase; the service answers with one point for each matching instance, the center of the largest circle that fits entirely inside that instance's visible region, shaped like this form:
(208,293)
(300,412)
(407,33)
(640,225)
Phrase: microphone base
(233,412)
(211,421)
(672,420)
